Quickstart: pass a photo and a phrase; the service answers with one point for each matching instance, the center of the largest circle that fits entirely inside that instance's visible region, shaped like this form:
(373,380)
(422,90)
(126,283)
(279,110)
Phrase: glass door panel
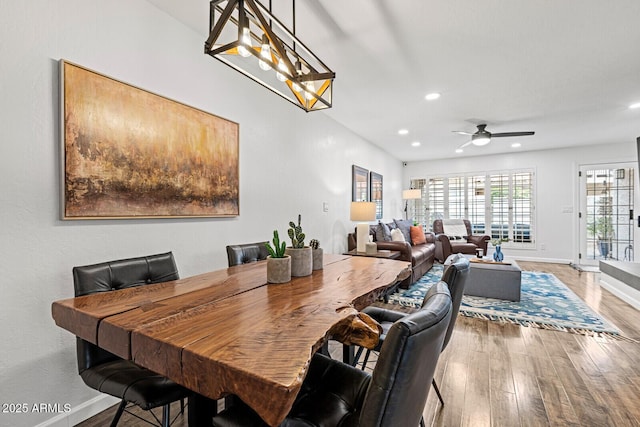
(606,221)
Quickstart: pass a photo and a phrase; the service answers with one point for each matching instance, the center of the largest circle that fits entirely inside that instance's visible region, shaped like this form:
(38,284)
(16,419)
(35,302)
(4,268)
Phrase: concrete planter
(301,261)
(279,269)
(317,256)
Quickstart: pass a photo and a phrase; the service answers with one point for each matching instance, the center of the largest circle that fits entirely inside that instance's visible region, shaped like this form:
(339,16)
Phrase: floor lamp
(411,194)
(361,212)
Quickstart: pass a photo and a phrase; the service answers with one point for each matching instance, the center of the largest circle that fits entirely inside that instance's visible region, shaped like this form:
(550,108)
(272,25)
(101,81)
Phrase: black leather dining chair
(455,276)
(337,394)
(108,373)
(246,253)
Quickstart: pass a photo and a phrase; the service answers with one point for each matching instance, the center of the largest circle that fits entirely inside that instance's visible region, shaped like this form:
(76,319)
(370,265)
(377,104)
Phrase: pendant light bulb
(282,68)
(245,43)
(265,52)
(294,85)
(309,89)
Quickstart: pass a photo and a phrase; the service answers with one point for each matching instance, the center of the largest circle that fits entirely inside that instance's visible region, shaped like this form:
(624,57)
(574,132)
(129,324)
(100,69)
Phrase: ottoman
(494,280)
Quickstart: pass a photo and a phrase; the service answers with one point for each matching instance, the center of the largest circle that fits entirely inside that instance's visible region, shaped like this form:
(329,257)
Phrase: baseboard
(620,289)
(546,260)
(81,412)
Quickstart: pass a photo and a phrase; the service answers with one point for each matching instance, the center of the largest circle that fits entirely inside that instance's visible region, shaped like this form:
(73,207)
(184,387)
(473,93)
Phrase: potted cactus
(278,263)
(301,256)
(317,255)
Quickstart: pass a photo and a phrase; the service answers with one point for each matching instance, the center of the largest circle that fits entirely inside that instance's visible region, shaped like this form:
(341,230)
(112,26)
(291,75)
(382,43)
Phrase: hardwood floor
(495,374)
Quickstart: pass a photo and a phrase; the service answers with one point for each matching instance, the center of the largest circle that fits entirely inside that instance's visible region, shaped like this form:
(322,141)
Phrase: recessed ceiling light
(516,145)
(432,96)
(459,150)
(634,106)
(415,144)
(403,132)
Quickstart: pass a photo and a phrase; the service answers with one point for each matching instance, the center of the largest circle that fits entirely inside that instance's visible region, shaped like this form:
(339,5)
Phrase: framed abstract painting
(129,153)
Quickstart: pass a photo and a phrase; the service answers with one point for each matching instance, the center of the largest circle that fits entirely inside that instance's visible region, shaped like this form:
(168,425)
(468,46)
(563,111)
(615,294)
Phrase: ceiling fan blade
(503,134)
(461,132)
(466,144)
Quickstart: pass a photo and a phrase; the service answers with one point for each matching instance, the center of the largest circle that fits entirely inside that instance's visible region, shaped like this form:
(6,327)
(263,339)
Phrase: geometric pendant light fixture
(248,38)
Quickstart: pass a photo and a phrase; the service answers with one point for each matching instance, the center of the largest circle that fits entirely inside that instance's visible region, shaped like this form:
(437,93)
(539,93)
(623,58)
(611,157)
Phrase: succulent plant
(277,251)
(295,234)
(314,243)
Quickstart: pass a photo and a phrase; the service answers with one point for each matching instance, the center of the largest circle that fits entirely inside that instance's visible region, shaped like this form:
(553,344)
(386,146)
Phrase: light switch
(325,207)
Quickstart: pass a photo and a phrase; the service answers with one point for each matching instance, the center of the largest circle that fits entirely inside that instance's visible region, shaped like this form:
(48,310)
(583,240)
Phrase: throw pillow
(417,235)
(405,226)
(383,233)
(397,236)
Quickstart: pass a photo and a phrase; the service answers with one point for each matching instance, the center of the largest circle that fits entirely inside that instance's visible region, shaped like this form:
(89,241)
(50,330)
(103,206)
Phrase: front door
(606,213)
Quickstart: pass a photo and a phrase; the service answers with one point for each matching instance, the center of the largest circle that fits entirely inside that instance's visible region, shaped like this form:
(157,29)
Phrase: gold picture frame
(129,153)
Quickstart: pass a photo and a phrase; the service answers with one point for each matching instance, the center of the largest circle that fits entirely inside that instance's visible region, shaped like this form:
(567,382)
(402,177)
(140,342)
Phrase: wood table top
(229,332)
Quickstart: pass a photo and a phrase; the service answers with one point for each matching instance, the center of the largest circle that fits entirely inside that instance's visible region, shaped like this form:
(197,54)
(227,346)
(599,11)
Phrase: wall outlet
(543,247)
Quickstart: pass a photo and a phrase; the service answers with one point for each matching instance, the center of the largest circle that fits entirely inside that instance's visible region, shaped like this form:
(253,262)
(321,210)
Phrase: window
(435,199)
(500,204)
(476,203)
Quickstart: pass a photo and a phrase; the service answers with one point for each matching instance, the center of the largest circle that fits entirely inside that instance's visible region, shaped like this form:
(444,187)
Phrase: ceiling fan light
(480,140)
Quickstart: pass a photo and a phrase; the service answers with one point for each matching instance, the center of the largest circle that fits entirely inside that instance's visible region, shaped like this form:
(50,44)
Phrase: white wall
(557,189)
(290,162)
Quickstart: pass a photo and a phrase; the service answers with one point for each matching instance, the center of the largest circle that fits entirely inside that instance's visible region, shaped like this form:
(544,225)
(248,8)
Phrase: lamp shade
(363,211)
(414,193)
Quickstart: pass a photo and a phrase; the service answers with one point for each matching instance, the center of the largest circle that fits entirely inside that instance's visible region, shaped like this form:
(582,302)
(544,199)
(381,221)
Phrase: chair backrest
(246,253)
(113,275)
(438,227)
(402,377)
(455,276)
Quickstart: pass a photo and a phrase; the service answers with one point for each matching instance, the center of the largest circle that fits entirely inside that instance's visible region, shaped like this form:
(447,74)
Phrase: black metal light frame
(301,66)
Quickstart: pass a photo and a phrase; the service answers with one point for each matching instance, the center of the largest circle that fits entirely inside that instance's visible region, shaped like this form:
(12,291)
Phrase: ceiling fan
(483,137)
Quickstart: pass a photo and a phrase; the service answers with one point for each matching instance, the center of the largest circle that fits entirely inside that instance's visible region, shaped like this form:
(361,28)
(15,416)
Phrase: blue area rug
(545,303)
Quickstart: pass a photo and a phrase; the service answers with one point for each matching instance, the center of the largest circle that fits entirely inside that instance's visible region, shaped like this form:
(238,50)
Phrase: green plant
(601,228)
(277,251)
(498,242)
(314,243)
(295,234)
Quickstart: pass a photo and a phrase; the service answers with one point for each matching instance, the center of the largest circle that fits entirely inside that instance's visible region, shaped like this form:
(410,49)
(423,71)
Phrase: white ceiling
(566,69)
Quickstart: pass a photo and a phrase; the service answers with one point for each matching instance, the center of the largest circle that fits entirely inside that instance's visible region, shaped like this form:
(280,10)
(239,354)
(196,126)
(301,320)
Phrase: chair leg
(435,387)
(422,422)
(366,359)
(357,356)
(119,412)
(166,418)
(182,405)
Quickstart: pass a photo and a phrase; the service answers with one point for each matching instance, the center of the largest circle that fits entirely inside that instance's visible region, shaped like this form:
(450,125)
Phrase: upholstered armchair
(454,236)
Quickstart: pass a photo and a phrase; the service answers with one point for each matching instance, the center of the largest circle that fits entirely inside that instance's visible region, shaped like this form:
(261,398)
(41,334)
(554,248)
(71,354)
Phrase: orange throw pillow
(417,235)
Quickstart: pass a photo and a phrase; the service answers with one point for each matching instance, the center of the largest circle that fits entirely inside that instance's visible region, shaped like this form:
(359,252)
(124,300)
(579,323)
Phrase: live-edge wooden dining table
(229,332)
